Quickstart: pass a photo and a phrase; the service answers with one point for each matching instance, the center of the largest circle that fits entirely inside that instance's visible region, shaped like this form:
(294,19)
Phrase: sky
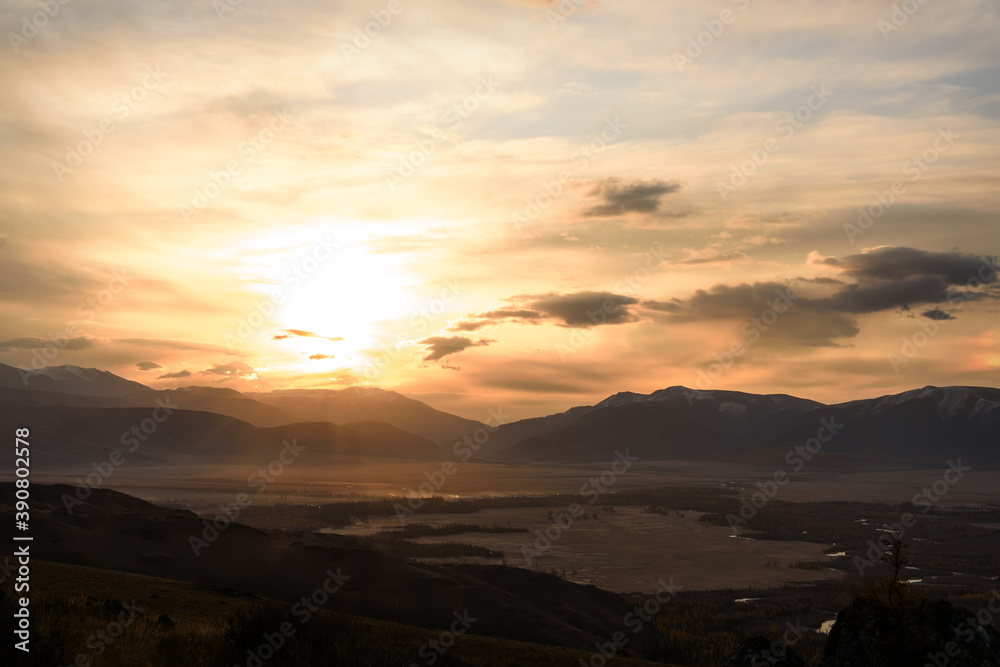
(515,204)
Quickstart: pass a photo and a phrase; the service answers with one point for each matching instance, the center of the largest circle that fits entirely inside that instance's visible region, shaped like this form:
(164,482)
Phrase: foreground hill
(115,531)
(920,427)
(208,626)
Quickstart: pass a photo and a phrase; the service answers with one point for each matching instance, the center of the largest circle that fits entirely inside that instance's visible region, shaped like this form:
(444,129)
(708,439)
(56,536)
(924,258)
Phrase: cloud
(890,277)
(233,369)
(586,309)
(147,365)
(34,342)
(574,310)
(820,280)
(937,314)
(889,295)
(178,374)
(173,344)
(304,334)
(635,197)
(771,308)
(442,346)
(897,263)
(886,279)
(321,356)
(712,258)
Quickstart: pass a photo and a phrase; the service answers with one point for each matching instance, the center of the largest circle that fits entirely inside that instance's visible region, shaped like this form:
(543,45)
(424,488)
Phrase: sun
(346,298)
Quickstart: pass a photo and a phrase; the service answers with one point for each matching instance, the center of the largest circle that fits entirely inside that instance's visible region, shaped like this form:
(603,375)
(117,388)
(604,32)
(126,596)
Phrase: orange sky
(503,203)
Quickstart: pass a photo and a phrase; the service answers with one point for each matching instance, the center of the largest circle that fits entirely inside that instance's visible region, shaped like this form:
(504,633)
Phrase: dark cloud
(575,310)
(820,280)
(495,316)
(891,263)
(890,278)
(321,356)
(887,279)
(233,369)
(442,346)
(586,309)
(469,325)
(888,295)
(178,374)
(73,344)
(729,301)
(148,365)
(517,314)
(634,197)
(937,314)
(770,311)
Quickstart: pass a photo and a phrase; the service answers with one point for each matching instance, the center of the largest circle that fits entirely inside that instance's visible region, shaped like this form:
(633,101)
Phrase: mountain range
(83,413)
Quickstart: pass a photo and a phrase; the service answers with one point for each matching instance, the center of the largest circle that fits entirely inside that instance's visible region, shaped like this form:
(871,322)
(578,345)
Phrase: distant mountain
(73,437)
(90,387)
(920,427)
(71,380)
(371,439)
(227,402)
(341,406)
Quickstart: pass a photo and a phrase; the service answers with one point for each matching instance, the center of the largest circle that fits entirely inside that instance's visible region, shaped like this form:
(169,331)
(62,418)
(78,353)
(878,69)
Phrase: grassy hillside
(214,627)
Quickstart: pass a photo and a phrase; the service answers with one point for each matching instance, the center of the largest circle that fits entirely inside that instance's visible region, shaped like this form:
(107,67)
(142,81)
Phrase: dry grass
(216,627)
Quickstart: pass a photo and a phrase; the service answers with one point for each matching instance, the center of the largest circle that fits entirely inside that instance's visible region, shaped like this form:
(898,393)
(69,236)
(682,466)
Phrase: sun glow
(342,303)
